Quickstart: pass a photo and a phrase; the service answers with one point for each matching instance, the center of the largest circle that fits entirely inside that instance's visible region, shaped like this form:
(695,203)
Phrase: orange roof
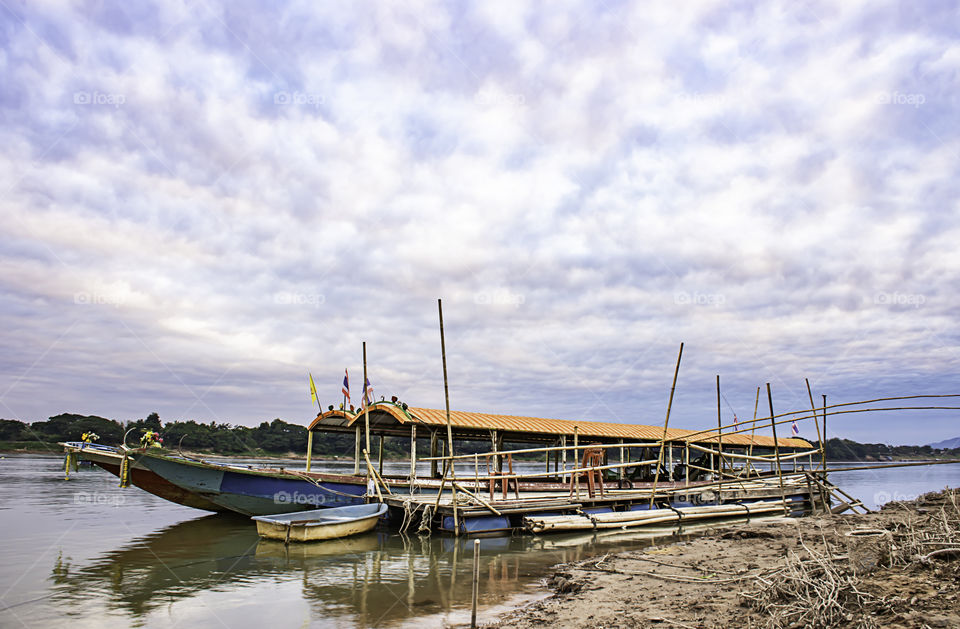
(537,425)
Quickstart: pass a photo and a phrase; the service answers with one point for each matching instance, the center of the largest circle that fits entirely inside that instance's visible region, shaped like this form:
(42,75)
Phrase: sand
(717,580)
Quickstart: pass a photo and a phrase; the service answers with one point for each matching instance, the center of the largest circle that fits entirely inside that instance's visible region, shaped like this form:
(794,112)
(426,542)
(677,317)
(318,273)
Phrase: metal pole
(776,449)
(666,422)
(446,398)
(476,583)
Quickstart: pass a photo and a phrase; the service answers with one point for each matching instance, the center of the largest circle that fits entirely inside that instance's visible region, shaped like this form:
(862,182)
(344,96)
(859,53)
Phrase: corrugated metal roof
(539,425)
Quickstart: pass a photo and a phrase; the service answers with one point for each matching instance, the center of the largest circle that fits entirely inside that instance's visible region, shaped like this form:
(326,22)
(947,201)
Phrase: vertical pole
(621,469)
(366,406)
(413,454)
(827,505)
(433,453)
(563,443)
(686,463)
(776,449)
(813,409)
(446,398)
(719,446)
(753,425)
(476,583)
(670,463)
(576,460)
(380,456)
(356,452)
(496,458)
(309,448)
(666,422)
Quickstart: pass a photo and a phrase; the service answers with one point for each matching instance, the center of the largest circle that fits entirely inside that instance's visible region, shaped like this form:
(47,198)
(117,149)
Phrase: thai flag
(794,429)
(368,393)
(346,385)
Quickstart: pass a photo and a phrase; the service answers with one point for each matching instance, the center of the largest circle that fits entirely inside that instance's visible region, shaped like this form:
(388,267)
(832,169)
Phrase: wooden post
(776,449)
(813,409)
(433,453)
(413,454)
(686,463)
(753,426)
(446,398)
(496,458)
(670,463)
(356,452)
(380,457)
(621,469)
(719,446)
(563,443)
(666,422)
(576,461)
(476,583)
(366,405)
(309,448)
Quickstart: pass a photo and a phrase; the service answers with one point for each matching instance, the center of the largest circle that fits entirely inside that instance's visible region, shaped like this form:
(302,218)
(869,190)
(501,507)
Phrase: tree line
(280,437)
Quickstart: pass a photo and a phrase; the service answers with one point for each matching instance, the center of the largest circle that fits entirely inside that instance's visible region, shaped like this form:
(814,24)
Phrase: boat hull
(324,527)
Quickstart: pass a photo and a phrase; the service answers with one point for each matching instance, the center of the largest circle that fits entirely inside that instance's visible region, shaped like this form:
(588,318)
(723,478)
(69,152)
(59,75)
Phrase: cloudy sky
(200,203)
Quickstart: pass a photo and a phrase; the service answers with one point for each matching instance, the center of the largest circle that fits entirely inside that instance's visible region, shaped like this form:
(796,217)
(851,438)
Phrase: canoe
(320,524)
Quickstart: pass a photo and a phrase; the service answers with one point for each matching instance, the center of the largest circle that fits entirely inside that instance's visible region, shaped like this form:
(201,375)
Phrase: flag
(313,389)
(346,385)
(368,393)
(736,421)
(794,429)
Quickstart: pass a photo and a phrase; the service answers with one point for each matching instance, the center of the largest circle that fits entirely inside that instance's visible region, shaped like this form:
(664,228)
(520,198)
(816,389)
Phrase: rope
(317,484)
(425,520)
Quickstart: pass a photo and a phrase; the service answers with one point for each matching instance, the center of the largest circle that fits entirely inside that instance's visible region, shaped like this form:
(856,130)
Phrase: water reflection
(377,579)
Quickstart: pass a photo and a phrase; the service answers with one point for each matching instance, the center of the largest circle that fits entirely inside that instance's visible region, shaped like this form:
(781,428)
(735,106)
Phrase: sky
(203,202)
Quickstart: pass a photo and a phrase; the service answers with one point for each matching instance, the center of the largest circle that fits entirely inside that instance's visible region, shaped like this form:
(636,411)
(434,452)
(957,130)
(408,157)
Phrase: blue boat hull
(253,492)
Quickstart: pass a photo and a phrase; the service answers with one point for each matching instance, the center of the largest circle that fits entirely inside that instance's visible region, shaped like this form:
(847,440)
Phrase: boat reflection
(377,579)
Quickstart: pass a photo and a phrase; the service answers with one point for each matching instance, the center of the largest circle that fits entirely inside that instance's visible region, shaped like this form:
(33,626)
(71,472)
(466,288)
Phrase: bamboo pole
(719,445)
(753,428)
(605,446)
(666,422)
(576,463)
(813,408)
(366,404)
(476,497)
(370,475)
(446,398)
(413,452)
(476,583)
(356,452)
(309,448)
(776,449)
(380,456)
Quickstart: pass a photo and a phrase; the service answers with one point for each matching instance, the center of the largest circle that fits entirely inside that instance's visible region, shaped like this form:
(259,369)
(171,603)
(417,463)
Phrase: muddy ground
(789,572)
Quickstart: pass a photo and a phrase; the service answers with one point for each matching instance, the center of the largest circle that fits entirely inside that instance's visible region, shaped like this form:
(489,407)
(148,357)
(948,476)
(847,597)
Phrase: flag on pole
(736,422)
(346,385)
(313,389)
(794,429)
(368,393)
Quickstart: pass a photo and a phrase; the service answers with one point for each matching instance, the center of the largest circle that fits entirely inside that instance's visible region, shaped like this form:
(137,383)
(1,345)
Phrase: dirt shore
(789,572)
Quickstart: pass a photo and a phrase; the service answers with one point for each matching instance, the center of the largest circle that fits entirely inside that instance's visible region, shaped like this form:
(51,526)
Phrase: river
(87,553)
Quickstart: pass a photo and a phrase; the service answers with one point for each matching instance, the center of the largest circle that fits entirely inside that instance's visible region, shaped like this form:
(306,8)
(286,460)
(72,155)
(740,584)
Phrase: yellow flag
(313,389)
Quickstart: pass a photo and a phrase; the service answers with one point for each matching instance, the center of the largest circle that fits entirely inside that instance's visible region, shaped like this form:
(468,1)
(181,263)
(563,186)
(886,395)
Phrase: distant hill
(947,443)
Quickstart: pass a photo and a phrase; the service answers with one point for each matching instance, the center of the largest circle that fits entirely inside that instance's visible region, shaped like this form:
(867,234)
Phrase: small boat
(320,524)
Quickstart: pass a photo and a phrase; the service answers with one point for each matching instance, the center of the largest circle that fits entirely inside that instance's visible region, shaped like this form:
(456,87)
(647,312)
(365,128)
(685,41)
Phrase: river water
(87,553)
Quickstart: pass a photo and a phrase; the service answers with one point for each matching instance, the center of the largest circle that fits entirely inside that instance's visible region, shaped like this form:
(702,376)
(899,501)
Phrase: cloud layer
(201,202)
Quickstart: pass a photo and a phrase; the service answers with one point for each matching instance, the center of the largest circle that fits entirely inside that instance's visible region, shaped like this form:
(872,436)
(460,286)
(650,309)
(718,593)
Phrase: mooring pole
(753,425)
(719,446)
(776,450)
(366,403)
(446,398)
(476,583)
(666,422)
(813,409)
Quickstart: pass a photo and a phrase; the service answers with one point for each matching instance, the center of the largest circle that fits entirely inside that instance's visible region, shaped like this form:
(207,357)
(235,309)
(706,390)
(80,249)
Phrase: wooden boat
(320,524)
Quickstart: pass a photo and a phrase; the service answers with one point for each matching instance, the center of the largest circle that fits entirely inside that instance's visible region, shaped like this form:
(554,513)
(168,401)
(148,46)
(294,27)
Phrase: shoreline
(778,573)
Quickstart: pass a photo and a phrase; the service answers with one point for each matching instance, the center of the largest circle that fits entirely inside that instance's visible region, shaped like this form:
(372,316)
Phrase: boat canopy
(389,418)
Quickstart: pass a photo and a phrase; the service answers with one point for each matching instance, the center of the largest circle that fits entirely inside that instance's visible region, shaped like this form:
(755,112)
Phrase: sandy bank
(781,573)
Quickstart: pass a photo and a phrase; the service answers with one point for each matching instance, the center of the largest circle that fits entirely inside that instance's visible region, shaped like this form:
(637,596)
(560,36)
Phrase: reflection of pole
(776,448)
(476,582)
(666,422)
